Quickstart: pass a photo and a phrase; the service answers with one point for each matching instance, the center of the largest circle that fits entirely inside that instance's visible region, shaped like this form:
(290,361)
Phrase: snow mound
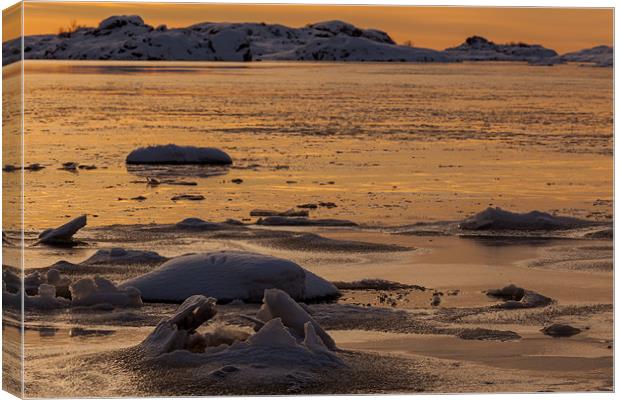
(227,276)
(45,299)
(94,291)
(117,255)
(477,48)
(63,235)
(498,219)
(33,281)
(173,154)
(601,56)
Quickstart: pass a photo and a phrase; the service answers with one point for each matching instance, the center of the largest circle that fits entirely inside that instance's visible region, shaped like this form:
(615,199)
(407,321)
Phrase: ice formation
(173,154)
(288,337)
(498,219)
(63,235)
(45,299)
(53,277)
(278,304)
(228,275)
(98,290)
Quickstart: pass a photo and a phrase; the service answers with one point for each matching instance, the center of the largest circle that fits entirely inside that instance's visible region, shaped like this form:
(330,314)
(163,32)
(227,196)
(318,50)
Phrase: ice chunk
(173,333)
(63,235)
(45,299)
(273,334)
(173,154)
(278,304)
(227,276)
(498,219)
(90,292)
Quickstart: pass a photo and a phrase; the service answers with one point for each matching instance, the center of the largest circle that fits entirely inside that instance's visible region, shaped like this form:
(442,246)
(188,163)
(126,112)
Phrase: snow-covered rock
(63,235)
(498,219)
(173,154)
(228,275)
(94,291)
(117,255)
(601,56)
(129,38)
(477,48)
(348,48)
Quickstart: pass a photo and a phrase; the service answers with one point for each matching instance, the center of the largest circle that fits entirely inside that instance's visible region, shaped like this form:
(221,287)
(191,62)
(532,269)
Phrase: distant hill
(129,38)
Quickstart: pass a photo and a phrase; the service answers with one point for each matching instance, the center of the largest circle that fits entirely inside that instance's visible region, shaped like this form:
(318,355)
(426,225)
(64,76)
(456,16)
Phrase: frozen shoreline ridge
(130,38)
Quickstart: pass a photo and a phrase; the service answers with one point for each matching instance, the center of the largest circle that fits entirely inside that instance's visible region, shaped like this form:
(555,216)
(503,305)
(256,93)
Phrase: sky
(562,29)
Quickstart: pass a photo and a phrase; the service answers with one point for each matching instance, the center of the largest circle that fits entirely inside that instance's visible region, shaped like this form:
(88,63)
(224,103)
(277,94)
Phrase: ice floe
(228,275)
(173,154)
(63,235)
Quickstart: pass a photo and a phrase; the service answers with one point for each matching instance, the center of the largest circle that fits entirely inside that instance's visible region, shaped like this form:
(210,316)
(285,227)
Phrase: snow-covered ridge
(128,37)
(477,48)
(601,56)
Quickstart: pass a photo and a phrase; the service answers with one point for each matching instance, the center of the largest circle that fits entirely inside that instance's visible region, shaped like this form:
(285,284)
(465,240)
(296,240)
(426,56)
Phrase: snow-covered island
(128,37)
(477,48)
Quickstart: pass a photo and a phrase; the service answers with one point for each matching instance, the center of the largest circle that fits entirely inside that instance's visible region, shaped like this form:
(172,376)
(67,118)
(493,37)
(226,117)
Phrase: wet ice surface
(446,141)
(396,327)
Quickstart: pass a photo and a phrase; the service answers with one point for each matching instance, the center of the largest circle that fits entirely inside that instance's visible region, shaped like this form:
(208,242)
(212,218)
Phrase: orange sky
(436,27)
